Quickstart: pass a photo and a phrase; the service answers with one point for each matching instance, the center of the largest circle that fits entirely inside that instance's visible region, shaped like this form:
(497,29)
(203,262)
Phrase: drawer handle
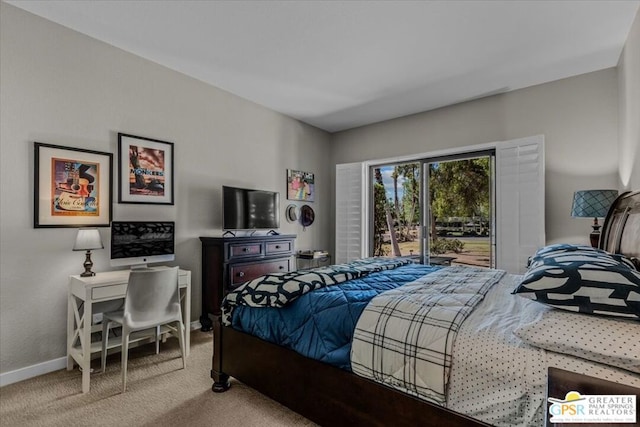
(241,274)
(281,267)
(245,249)
(277,246)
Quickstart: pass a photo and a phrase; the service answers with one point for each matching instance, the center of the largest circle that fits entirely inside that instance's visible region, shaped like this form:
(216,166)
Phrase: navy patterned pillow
(561,248)
(584,280)
(627,261)
(566,247)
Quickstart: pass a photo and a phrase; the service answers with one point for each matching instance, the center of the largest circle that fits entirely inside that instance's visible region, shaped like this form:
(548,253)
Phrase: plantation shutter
(350,212)
(519,201)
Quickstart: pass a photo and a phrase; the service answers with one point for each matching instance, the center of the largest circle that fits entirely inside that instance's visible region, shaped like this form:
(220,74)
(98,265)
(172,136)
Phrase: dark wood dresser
(228,262)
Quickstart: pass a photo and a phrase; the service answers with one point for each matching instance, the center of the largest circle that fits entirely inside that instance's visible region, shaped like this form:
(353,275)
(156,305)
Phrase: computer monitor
(138,243)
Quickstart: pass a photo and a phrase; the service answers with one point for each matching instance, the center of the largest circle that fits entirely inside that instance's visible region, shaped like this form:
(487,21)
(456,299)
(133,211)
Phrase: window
(454,202)
(518,201)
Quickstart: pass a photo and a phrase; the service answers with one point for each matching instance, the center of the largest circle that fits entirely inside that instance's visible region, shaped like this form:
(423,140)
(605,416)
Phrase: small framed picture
(72,187)
(145,170)
(300,185)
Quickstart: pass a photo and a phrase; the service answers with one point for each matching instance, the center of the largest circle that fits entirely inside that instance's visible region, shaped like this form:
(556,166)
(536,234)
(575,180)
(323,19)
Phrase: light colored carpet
(159,393)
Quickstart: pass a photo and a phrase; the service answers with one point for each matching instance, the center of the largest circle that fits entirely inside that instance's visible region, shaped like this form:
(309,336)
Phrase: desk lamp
(593,204)
(86,240)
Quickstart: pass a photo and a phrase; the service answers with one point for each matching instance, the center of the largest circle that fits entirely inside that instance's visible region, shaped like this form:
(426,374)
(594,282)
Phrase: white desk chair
(152,300)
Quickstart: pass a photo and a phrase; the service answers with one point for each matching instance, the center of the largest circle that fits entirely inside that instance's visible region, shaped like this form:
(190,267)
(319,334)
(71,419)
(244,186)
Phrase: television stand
(227,262)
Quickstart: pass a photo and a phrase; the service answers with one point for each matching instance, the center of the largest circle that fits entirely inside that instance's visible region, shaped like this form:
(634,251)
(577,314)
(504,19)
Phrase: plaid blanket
(405,336)
(280,289)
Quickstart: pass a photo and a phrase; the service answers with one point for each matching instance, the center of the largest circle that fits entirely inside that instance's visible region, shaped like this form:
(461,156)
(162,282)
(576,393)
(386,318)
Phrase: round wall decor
(291,213)
(307,215)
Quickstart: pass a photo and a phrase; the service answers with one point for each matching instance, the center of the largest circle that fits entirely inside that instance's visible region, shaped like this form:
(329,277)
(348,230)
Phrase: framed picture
(300,185)
(145,170)
(72,187)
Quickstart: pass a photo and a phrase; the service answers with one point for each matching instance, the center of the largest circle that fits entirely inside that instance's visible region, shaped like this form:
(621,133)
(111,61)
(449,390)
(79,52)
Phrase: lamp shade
(592,203)
(87,239)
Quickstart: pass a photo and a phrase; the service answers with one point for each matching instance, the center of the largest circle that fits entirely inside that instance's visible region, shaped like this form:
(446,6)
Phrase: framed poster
(300,185)
(145,170)
(72,187)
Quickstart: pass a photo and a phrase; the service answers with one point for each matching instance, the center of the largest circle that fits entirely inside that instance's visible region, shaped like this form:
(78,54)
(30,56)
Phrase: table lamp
(593,204)
(86,240)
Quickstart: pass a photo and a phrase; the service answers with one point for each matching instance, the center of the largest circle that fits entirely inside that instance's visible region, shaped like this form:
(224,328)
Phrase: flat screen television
(138,243)
(246,209)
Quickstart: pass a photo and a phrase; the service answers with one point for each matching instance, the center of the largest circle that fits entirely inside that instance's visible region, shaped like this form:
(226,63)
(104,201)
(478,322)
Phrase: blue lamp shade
(593,203)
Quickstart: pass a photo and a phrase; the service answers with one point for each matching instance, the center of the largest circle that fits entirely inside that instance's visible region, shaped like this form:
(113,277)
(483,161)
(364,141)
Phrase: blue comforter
(320,324)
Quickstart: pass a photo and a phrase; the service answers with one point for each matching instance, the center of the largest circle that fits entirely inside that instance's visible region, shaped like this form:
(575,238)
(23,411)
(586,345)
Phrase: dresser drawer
(279,247)
(240,273)
(244,250)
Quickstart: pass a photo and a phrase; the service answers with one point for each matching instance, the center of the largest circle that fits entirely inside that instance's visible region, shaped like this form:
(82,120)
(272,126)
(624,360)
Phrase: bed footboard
(322,393)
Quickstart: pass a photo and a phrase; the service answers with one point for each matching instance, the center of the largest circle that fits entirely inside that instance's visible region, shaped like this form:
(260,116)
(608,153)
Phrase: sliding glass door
(460,210)
(396,195)
(438,210)
(517,205)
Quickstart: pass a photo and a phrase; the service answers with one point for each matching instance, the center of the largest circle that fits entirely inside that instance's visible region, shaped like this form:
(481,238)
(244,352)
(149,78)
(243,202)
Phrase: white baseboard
(195,325)
(32,371)
(27,372)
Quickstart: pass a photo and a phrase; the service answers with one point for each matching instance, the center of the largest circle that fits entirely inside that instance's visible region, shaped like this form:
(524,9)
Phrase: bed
(484,340)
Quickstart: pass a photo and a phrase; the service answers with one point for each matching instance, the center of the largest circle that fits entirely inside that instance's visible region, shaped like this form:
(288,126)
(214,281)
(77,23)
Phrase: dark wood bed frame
(330,396)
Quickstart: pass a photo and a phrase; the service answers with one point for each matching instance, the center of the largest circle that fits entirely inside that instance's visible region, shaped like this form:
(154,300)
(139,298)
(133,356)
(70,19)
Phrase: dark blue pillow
(583,279)
(560,248)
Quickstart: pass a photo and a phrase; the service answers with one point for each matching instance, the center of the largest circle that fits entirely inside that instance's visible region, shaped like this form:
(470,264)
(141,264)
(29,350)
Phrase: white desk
(84,292)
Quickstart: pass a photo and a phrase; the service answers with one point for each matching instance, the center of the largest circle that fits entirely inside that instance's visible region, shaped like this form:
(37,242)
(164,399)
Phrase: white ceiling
(342,64)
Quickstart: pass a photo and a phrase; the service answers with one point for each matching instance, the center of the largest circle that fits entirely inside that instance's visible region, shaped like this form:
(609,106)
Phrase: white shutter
(519,201)
(350,215)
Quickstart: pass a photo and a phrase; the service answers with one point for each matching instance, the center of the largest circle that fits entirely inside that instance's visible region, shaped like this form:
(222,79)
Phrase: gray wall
(629,89)
(61,87)
(577,116)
